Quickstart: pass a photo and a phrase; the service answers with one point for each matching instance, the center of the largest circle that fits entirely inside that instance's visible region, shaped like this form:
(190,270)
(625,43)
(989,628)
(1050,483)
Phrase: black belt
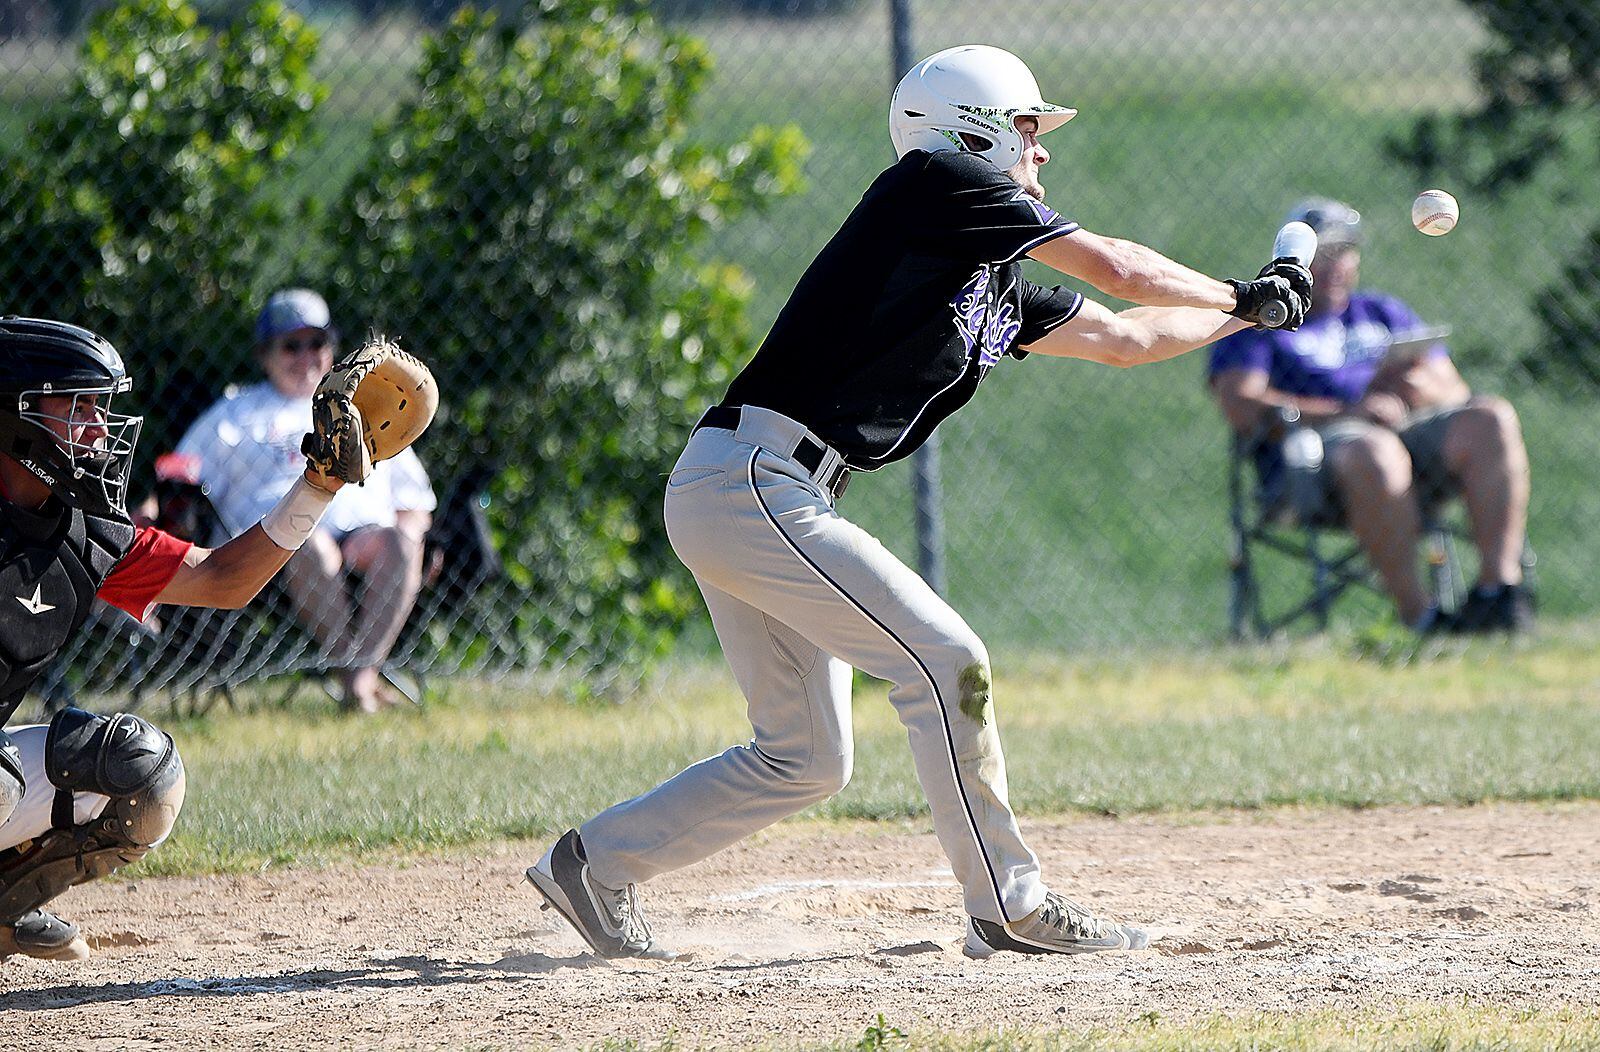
(809,454)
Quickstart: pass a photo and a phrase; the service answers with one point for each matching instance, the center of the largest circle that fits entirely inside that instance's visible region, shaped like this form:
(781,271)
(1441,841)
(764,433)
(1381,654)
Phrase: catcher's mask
(57,386)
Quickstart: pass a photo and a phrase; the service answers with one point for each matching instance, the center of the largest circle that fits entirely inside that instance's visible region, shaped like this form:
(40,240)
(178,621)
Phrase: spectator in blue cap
(248,450)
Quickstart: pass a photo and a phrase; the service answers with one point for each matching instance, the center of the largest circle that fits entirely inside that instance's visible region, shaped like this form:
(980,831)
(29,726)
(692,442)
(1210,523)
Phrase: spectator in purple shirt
(1398,426)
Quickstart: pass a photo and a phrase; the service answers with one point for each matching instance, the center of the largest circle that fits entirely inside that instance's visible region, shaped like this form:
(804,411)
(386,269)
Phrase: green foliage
(529,224)
(439,12)
(1542,60)
(1539,82)
(880,1034)
(710,9)
(1570,312)
(133,207)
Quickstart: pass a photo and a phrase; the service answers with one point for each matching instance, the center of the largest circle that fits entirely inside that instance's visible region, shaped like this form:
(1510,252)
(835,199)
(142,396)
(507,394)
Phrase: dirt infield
(808,932)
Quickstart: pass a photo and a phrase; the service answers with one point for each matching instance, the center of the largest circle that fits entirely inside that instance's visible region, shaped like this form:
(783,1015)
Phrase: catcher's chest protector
(51,565)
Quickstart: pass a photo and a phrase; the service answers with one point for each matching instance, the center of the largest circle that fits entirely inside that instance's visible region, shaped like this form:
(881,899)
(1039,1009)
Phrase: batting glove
(1254,295)
(1292,271)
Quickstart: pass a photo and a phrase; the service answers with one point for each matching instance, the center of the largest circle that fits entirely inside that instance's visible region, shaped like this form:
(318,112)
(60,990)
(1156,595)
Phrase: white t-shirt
(248,446)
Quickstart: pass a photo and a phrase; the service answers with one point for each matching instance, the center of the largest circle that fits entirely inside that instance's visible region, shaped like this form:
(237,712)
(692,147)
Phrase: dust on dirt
(808,932)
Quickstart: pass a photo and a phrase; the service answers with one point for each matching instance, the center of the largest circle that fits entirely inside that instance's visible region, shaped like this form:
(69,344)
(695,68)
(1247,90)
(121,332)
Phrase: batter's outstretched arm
(1136,336)
(1130,271)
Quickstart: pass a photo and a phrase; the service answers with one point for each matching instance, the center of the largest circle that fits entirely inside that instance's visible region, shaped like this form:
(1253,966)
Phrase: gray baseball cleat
(608,918)
(43,935)
(1058,926)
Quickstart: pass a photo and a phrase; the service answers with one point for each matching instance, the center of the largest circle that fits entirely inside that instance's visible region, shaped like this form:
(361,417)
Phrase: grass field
(1313,724)
(366,870)
(1085,507)
(1408,1029)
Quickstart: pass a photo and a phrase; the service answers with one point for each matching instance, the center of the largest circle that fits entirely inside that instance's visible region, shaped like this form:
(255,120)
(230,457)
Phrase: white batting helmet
(975,89)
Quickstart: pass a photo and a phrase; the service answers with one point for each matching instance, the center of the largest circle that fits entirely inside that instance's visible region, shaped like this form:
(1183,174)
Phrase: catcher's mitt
(372,404)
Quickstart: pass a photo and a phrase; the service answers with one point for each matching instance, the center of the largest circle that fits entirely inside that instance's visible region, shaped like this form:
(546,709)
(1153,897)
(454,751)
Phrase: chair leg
(1322,594)
(296,680)
(1445,582)
(410,683)
(1241,590)
(1238,604)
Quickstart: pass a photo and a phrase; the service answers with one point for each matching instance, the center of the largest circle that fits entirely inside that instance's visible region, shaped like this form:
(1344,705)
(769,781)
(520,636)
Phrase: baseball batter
(891,329)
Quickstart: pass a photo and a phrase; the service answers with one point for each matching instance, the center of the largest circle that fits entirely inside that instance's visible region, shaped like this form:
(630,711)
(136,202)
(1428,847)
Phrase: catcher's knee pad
(12,781)
(123,757)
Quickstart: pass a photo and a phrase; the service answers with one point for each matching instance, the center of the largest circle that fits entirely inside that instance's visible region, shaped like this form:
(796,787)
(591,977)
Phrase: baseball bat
(1295,241)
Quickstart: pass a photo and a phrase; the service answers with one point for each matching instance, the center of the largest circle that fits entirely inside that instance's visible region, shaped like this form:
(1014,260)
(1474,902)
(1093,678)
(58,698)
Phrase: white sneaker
(1058,926)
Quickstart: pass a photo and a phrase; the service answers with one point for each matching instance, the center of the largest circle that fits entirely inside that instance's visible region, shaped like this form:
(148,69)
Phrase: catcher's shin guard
(123,757)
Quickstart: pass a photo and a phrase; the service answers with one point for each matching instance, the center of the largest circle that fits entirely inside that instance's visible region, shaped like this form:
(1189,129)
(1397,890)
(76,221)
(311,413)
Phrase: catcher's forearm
(228,576)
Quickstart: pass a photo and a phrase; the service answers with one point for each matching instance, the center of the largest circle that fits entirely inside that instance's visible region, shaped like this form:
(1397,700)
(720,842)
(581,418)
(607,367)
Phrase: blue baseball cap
(291,309)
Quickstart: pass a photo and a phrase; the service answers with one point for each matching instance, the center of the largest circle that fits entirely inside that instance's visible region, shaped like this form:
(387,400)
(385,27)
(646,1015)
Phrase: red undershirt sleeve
(149,567)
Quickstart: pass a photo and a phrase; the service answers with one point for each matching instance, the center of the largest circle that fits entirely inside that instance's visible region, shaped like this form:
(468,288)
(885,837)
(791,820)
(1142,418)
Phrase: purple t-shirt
(1330,356)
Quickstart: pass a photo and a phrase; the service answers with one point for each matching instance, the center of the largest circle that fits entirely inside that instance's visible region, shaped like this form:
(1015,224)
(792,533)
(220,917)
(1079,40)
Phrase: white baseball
(1435,212)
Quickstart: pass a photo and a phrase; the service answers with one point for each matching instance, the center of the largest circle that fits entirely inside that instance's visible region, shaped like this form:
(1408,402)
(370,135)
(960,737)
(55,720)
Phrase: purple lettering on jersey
(972,307)
(990,331)
(999,334)
(1046,215)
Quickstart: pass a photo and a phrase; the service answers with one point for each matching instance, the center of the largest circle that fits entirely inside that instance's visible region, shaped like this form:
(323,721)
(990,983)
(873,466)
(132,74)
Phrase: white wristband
(294,517)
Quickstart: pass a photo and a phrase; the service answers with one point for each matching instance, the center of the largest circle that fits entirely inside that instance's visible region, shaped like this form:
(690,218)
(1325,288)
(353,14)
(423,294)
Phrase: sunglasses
(310,343)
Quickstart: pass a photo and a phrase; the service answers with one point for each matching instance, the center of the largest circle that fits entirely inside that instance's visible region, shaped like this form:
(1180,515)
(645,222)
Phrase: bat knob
(1274,313)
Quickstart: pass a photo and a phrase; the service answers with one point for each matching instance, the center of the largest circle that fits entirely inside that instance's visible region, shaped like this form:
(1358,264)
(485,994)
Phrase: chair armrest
(1276,422)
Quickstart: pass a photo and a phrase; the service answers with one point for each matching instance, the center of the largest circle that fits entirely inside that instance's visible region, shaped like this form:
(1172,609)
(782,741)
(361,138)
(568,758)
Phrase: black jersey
(908,307)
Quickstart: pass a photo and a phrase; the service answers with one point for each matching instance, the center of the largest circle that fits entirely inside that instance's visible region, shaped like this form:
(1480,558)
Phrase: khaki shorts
(1423,435)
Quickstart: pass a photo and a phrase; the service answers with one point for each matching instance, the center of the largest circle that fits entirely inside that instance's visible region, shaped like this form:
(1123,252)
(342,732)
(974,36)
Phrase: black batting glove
(1252,296)
(1292,271)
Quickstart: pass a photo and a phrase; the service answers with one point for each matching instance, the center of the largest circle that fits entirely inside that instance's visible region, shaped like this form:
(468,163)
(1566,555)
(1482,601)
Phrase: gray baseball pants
(798,595)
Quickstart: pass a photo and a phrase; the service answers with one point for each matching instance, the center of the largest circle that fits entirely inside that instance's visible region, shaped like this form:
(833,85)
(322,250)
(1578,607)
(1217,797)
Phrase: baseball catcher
(86,794)
(892,328)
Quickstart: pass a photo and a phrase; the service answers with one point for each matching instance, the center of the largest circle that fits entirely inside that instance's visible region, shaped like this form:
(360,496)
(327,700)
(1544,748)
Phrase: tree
(528,223)
(1539,79)
(133,208)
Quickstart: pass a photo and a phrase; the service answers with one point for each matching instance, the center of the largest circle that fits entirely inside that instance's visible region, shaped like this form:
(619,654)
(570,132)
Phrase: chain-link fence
(586,232)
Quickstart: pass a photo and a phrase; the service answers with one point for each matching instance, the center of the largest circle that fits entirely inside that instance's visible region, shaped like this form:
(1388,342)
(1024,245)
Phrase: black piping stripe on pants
(938,697)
